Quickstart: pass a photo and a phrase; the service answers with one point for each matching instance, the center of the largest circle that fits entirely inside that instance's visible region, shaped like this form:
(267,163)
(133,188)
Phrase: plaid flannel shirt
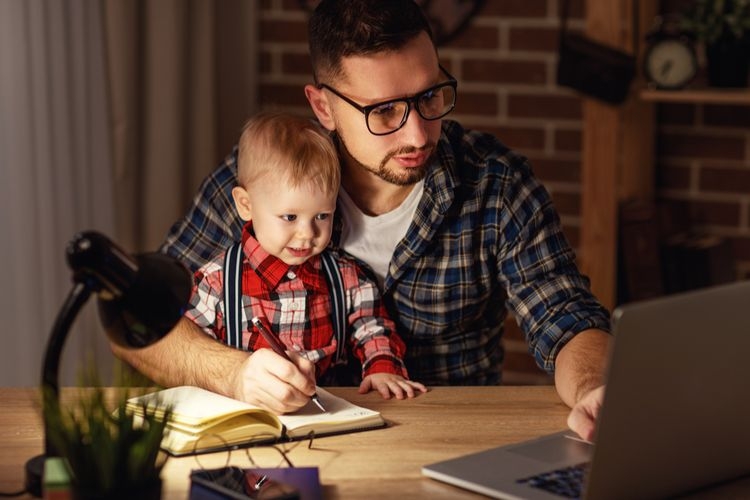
(296,301)
(485,239)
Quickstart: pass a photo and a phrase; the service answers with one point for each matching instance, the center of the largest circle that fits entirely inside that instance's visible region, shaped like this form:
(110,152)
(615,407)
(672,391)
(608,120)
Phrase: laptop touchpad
(558,448)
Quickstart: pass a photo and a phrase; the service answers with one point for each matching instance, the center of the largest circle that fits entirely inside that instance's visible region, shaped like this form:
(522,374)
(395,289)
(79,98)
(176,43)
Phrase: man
(453,224)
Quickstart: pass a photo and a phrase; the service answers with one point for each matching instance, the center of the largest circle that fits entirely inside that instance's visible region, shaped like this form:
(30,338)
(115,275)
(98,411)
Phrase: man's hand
(582,418)
(579,378)
(187,356)
(388,383)
(268,380)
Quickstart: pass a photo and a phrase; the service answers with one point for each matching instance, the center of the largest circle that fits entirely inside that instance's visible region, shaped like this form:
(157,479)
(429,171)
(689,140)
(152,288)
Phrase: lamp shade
(152,305)
(140,298)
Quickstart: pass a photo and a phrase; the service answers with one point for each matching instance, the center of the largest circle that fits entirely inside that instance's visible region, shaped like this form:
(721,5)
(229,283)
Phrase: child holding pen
(288,176)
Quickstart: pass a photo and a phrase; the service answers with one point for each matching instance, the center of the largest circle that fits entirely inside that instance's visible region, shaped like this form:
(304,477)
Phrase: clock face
(670,63)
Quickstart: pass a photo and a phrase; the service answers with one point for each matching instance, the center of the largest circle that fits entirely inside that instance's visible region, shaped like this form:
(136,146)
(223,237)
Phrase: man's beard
(407,178)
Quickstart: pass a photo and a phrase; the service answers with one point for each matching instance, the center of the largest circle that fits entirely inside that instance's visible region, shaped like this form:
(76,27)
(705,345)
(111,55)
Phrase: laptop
(675,416)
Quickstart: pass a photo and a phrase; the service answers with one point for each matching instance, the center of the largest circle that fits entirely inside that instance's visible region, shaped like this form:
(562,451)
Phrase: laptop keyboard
(566,482)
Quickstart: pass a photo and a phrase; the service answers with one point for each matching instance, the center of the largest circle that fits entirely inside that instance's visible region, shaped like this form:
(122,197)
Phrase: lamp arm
(76,298)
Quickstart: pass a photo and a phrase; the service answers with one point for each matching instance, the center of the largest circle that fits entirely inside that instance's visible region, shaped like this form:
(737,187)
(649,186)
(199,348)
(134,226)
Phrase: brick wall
(505,64)
(703,165)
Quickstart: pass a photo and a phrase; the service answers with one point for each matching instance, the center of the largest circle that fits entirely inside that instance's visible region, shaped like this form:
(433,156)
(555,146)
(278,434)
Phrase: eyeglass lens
(431,105)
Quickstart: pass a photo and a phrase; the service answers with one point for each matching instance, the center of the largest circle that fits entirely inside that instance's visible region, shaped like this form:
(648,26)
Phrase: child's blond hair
(295,149)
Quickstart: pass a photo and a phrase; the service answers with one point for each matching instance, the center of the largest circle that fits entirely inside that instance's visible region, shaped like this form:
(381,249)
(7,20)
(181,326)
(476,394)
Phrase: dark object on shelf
(728,62)
(696,261)
(723,27)
(592,68)
(640,259)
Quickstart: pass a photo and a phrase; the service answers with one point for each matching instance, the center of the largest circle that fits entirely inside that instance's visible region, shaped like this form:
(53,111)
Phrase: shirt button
(291,275)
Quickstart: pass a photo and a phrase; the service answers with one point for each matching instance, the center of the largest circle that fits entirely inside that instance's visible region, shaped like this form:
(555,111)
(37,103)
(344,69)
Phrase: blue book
(301,483)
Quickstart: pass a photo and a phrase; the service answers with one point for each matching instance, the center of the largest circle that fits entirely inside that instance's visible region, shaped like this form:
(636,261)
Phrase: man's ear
(242,203)
(321,107)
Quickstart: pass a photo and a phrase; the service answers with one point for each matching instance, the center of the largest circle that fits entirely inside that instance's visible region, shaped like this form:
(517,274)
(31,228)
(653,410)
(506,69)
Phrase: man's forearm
(581,364)
(186,356)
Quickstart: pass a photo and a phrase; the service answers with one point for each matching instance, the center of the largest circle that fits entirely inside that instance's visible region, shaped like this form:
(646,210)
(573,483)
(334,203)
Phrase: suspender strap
(233,295)
(233,299)
(338,304)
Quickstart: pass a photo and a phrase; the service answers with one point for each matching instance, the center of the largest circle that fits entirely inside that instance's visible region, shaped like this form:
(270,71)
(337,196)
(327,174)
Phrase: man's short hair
(342,28)
(292,148)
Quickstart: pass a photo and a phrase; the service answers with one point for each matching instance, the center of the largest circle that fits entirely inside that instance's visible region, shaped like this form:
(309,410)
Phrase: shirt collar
(272,270)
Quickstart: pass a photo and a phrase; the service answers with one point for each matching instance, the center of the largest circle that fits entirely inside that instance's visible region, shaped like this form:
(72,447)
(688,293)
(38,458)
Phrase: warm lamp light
(140,300)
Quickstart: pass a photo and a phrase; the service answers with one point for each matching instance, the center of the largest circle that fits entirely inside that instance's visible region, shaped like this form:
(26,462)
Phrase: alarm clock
(670,61)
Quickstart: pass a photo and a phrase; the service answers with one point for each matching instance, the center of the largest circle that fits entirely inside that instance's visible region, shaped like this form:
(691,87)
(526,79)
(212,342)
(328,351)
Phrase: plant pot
(148,490)
(728,61)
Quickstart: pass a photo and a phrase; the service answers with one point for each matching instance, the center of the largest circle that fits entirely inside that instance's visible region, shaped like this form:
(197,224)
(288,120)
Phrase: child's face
(291,223)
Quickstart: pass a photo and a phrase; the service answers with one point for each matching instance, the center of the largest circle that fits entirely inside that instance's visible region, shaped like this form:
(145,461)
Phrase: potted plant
(109,452)
(723,26)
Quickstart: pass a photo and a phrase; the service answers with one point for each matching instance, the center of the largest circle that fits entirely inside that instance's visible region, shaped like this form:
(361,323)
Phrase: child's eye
(322,216)
(289,217)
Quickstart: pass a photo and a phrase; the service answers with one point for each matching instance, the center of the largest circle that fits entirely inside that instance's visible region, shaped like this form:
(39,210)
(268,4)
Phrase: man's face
(291,223)
(401,157)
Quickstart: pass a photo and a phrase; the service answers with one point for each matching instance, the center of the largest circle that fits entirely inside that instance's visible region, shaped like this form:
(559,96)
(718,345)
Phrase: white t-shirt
(373,239)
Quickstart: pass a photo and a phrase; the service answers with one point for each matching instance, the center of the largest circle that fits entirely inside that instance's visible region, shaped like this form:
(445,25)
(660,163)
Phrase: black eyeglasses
(383,118)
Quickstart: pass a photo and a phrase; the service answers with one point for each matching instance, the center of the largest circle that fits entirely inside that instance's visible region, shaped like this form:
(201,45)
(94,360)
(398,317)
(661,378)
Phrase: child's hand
(388,383)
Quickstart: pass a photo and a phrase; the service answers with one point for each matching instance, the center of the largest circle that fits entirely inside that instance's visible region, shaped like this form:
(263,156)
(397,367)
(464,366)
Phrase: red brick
(701,146)
(515,8)
(518,138)
(264,63)
(576,8)
(534,39)
(675,114)
(567,203)
(288,5)
(740,247)
(727,116)
(554,170)
(715,213)
(293,63)
(674,217)
(276,94)
(672,177)
(476,37)
(672,6)
(568,140)
(544,106)
(283,31)
(726,180)
(477,103)
(505,71)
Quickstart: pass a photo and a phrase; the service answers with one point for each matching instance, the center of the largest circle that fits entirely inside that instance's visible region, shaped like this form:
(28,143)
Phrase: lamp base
(34,475)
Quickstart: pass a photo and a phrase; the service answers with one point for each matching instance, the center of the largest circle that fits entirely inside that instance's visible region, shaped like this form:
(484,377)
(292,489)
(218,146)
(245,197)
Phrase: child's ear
(242,203)
(321,107)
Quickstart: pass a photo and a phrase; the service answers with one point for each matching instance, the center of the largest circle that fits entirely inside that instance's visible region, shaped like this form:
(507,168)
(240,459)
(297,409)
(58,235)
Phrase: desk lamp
(140,299)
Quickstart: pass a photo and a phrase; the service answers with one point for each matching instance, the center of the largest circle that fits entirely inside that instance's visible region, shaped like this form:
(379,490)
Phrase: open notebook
(203,421)
(674,418)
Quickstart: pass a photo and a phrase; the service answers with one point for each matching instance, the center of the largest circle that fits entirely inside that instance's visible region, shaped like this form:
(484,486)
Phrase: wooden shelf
(699,96)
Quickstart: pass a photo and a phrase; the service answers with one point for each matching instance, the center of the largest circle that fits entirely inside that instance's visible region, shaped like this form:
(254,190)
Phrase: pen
(279,349)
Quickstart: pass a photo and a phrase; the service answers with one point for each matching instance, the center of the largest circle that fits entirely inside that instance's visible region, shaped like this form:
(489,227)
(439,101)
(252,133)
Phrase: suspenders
(233,299)
(233,295)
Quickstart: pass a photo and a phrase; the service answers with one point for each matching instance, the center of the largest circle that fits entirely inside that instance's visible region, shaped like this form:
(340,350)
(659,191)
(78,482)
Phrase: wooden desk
(444,423)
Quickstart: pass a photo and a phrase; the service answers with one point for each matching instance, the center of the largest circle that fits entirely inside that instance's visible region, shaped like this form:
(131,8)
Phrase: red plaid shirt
(296,302)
